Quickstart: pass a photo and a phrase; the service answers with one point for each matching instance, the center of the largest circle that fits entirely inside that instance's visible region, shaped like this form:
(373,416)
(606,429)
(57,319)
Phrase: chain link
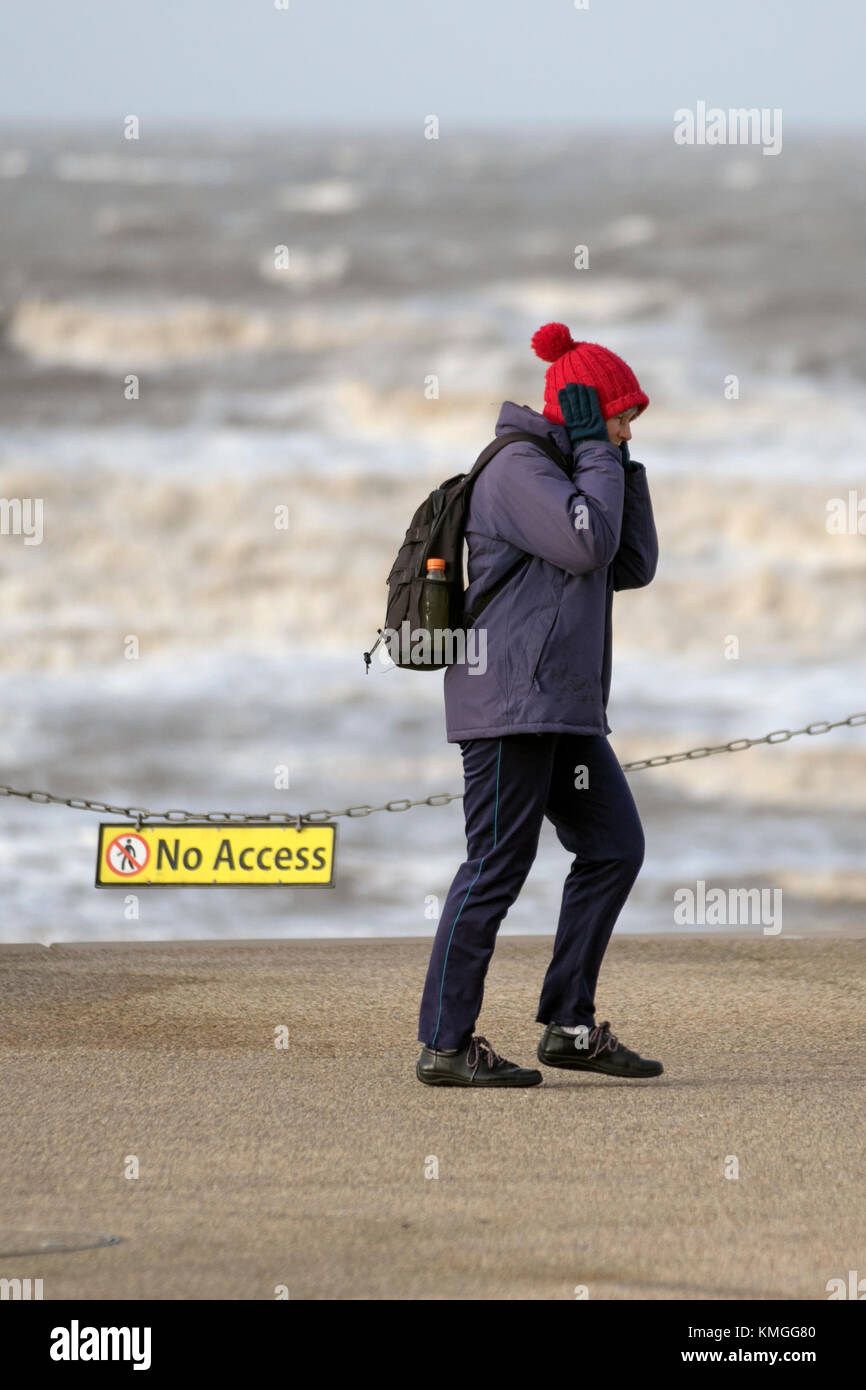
(140,813)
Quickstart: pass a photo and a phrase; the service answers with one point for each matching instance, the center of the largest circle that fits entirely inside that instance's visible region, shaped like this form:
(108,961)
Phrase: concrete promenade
(305,1165)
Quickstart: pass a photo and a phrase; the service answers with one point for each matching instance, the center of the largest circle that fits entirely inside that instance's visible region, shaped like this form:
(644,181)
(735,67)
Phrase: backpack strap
(545,443)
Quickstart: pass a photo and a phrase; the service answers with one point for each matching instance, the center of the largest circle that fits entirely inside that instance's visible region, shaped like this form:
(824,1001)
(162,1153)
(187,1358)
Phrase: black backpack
(437,529)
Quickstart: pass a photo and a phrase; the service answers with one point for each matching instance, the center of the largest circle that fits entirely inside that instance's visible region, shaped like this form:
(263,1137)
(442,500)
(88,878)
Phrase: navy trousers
(510,785)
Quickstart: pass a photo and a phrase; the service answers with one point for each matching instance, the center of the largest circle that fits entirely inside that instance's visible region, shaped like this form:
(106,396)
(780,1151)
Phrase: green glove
(581,413)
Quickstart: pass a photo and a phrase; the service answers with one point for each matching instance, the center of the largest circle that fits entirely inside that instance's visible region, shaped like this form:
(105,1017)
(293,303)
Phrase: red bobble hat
(589,363)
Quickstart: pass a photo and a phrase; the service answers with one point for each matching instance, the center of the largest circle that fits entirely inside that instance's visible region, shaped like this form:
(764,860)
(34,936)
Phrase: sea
(203,331)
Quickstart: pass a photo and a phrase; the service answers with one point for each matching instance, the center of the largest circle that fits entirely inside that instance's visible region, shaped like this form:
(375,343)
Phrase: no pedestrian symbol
(127,855)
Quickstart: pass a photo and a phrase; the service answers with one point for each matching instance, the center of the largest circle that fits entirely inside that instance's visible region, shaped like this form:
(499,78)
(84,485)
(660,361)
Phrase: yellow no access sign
(199,854)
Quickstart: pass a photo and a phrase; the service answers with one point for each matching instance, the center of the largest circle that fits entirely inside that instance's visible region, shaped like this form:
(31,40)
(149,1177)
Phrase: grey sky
(393,61)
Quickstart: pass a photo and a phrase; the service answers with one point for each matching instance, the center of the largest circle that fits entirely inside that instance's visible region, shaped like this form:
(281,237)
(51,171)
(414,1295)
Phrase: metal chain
(140,813)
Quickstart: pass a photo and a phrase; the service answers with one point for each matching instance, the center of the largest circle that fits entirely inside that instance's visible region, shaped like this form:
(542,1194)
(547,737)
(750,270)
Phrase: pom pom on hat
(552,341)
(614,381)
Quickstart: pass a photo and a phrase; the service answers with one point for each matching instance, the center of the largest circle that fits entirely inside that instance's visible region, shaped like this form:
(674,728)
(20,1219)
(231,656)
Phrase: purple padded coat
(548,630)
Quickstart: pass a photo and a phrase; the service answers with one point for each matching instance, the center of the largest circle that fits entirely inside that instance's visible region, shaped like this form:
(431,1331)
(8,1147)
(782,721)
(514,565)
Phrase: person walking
(532,723)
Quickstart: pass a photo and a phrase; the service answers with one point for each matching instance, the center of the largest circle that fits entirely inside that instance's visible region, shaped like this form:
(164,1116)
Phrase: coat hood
(523,417)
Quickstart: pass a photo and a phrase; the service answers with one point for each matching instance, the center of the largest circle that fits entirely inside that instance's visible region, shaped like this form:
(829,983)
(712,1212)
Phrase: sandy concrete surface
(304,1166)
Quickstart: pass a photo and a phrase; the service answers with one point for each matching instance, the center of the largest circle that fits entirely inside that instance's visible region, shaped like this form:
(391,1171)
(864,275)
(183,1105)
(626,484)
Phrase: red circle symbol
(130,855)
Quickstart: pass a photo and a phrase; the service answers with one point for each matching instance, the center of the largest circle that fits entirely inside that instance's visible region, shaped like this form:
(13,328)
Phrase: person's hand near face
(581,414)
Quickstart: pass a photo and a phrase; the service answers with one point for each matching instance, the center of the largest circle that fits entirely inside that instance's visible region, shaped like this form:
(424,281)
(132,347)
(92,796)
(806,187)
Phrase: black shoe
(466,1066)
(595,1050)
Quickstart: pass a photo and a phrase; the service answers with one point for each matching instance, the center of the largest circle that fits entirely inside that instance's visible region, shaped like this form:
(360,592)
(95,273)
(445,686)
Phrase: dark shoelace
(473,1055)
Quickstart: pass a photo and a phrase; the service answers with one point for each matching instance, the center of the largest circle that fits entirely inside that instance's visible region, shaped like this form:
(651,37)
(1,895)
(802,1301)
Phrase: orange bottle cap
(435,564)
